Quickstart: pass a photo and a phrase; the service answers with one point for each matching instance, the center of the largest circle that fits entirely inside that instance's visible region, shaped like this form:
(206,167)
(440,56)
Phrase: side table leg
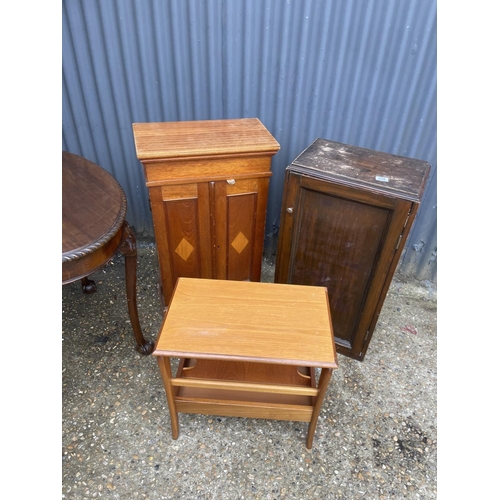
(129,250)
(166,375)
(326,374)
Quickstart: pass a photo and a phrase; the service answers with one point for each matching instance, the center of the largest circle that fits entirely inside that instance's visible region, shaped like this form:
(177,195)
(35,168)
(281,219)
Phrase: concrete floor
(376,434)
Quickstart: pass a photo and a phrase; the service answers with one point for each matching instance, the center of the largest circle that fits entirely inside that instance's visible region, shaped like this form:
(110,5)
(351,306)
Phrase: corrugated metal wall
(361,72)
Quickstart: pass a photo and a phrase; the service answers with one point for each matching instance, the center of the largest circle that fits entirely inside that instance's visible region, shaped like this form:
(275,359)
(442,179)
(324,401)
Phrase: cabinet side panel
(260,226)
(183,238)
(162,248)
(241,236)
(289,200)
(338,247)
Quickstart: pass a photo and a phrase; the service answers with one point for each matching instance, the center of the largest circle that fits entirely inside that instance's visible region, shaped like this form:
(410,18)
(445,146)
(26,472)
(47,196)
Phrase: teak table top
(249,321)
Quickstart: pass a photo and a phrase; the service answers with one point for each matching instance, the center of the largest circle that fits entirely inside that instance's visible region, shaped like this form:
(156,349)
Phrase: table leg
(324,378)
(166,375)
(129,250)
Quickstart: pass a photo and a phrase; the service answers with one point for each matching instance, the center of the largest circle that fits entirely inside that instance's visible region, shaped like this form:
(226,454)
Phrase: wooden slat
(258,373)
(244,386)
(186,171)
(179,192)
(242,186)
(245,409)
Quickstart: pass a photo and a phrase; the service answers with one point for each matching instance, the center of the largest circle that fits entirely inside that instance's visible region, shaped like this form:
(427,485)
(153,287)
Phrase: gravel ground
(375,439)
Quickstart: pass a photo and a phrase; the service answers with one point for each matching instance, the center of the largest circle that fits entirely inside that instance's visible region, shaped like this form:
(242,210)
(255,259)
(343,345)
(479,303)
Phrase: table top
(249,321)
(377,171)
(170,140)
(93,206)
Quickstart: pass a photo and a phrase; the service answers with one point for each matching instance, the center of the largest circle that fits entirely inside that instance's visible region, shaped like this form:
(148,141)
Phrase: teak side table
(208,184)
(247,349)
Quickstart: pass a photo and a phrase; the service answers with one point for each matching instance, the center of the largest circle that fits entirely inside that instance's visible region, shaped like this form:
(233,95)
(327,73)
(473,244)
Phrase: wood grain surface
(93,204)
(249,321)
(377,171)
(202,138)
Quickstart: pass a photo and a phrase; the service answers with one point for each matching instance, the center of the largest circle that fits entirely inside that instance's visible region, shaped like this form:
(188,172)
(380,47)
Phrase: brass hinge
(399,240)
(408,216)
(404,226)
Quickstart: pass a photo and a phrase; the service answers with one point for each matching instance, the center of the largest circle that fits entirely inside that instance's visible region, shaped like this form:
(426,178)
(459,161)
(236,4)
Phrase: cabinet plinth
(208,184)
(346,214)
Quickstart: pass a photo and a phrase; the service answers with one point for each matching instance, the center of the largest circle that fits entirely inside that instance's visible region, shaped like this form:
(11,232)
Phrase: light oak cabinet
(208,185)
(346,214)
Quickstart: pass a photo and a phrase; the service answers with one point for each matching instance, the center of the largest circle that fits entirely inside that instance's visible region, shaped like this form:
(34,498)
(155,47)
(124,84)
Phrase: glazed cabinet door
(344,239)
(239,211)
(182,227)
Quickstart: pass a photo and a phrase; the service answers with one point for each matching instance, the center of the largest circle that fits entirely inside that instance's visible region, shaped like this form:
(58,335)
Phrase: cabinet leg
(324,378)
(129,250)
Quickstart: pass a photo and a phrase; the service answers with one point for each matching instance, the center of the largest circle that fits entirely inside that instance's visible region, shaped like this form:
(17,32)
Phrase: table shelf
(236,402)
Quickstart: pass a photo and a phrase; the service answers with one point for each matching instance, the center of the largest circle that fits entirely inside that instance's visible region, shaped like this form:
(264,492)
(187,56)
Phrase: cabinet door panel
(182,222)
(336,243)
(187,218)
(239,210)
(241,236)
(346,240)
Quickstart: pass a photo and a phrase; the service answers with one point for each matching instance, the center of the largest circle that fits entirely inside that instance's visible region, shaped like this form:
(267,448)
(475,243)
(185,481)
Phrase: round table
(94,229)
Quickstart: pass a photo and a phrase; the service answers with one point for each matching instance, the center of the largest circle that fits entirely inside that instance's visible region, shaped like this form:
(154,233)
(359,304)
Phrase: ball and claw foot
(146,348)
(88,286)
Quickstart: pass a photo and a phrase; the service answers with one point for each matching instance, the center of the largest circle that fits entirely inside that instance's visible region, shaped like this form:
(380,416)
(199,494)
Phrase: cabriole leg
(129,250)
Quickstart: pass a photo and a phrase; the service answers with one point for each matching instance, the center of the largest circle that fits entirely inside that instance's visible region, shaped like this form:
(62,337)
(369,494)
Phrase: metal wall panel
(361,72)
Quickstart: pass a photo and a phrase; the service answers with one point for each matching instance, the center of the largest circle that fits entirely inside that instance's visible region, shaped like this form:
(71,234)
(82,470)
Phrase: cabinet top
(376,171)
(182,139)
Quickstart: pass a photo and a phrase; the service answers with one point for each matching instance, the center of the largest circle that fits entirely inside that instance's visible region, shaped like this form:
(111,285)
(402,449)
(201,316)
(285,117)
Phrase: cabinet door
(344,239)
(239,221)
(182,227)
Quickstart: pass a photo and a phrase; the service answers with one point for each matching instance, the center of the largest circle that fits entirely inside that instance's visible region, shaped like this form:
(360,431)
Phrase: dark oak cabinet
(346,214)
(208,186)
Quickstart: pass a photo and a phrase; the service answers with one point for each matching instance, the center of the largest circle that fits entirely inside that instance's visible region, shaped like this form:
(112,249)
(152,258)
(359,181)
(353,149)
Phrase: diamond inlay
(240,242)
(184,249)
